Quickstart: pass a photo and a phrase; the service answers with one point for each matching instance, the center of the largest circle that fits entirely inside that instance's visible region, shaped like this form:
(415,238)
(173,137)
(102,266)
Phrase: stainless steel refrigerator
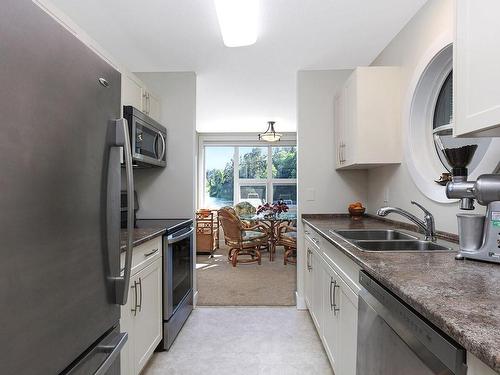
(60,133)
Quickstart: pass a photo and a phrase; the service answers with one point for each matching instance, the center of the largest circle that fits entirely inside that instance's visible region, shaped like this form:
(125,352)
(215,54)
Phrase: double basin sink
(383,240)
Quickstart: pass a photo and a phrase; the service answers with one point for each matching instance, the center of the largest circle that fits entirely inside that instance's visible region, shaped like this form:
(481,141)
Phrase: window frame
(237,141)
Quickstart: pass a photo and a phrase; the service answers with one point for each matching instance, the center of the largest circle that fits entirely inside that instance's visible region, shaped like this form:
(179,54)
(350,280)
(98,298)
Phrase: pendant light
(270,134)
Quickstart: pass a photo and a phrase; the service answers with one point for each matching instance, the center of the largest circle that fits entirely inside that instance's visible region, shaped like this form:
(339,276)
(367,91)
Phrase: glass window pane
(286,192)
(253,162)
(443,113)
(284,161)
(219,177)
(253,194)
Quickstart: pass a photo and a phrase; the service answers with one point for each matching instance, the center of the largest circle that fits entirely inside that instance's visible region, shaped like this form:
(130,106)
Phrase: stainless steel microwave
(147,137)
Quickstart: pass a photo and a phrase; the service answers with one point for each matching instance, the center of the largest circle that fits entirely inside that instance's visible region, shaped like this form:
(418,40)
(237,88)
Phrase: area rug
(268,284)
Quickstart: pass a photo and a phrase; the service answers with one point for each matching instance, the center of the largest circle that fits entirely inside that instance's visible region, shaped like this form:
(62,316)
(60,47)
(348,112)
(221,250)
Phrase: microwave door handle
(164,146)
(122,283)
(155,145)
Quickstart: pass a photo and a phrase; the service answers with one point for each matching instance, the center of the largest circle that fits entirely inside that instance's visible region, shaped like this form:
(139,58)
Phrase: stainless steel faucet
(427,225)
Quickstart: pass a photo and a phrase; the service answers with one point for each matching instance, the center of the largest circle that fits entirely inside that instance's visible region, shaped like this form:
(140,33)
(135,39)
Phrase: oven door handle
(173,239)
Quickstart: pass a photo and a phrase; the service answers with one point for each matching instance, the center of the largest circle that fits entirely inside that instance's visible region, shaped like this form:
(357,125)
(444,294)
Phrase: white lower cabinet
(347,302)
(308,275)
(330,316)
(141,317)
(332,302)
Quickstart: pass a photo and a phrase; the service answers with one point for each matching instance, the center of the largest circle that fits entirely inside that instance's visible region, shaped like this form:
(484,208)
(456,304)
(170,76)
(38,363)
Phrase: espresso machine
(479,235)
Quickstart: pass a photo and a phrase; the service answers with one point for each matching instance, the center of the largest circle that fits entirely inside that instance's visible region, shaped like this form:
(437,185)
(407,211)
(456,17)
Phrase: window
(430,124)
(253,194)
(284,162)
(255,174)
(253,162)
(285,192)
(219,176)
(442,125)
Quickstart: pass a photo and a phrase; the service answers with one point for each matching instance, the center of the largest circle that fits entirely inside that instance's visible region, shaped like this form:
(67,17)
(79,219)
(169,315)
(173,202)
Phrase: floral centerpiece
(272,210)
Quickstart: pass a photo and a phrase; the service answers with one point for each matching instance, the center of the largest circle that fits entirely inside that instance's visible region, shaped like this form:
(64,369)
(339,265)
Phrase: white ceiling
(238,87)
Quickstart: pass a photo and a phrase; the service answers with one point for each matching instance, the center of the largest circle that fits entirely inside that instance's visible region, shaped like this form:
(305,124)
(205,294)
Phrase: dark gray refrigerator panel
(55,141)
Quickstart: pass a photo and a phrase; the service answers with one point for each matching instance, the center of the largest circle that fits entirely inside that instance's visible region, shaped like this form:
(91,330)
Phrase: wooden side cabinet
(207,231)
(476,73)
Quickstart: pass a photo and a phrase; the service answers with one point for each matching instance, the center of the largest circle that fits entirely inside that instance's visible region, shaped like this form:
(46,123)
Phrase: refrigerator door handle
(114,352)
(122,140)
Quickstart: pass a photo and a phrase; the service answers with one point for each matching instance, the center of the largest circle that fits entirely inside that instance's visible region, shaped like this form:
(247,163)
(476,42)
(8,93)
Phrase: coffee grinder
(479,235)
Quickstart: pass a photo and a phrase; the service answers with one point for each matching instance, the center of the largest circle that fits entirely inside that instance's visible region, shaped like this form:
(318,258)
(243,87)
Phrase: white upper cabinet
(154,109)
(136,94)
(367,119)
(476,72)
(132,91)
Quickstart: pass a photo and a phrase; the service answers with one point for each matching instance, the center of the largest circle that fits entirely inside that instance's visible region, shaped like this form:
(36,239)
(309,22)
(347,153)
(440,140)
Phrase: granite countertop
(460,297)
(141,235)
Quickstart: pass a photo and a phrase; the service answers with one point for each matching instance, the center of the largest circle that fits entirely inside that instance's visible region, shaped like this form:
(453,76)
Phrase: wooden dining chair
(287,237)
(242,239)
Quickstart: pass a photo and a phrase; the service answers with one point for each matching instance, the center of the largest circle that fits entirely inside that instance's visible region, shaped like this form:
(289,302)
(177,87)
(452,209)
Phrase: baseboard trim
(301,303)
(195,299)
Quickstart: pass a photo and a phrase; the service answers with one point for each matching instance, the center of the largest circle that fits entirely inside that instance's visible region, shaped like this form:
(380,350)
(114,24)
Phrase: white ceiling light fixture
(238,21)
(270,134)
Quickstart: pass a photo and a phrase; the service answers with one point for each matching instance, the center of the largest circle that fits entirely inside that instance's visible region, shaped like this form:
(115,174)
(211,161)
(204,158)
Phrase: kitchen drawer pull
(306,232)
(331,293)
(335,308)
(151,253)
(315,240)
(140,295)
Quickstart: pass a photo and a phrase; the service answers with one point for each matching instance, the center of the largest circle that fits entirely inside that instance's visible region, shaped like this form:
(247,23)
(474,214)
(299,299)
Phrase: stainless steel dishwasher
(394,340)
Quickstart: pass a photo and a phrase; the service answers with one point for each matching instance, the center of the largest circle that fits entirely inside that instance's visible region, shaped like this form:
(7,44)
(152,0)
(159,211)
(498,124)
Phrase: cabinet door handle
(315,240)
(306,232)
(331,293)
(134,310)
(335,308)
(151,253)
(140,295)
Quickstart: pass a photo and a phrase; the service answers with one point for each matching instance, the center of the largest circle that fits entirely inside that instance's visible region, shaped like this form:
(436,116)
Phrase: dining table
(272,222)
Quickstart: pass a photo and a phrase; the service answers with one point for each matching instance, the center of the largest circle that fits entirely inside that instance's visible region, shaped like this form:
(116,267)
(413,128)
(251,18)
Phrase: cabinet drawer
(343,265)
(312,236)
(144,254)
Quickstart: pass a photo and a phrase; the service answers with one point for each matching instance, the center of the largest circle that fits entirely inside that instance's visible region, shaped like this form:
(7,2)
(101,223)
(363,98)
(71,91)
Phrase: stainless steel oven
(177,282)
(148,139)
(395,340)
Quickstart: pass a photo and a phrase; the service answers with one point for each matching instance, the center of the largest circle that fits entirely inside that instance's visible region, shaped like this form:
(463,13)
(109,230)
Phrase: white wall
(406,50)
(170,192)
(332,190)
(233,98)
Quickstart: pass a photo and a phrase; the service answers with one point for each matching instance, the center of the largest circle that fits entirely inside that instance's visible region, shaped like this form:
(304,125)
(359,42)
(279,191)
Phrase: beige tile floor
(244,340)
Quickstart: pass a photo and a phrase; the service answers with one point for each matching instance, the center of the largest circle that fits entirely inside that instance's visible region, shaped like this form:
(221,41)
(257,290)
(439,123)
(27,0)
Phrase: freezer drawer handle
(114,352)
(122,140)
